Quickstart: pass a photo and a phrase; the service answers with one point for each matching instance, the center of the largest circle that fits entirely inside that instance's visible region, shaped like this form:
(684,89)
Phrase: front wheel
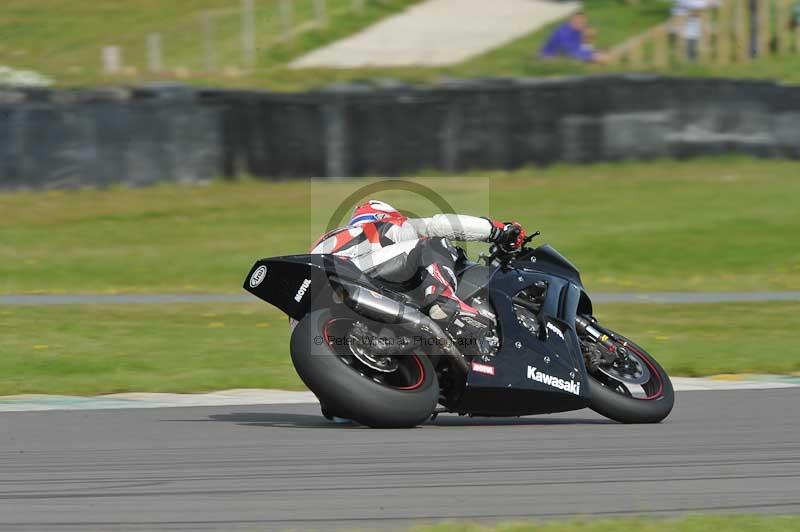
(638,391)
(353,383)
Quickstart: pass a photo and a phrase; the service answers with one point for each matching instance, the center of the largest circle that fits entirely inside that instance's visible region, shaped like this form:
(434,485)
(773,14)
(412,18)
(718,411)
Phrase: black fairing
(546,259)
(511,390)
(472,279)
(294,283)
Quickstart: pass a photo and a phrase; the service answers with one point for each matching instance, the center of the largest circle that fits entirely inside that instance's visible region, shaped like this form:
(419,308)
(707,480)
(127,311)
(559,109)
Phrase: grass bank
(63,40)
(616,21)
(707,225)
(89,349)
(685,524)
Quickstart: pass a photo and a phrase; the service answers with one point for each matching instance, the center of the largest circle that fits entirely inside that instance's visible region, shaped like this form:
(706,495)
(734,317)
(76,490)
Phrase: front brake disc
(628,370)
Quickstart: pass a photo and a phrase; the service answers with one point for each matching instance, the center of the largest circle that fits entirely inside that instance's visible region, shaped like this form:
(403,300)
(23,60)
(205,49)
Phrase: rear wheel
(355,383)
(633,389)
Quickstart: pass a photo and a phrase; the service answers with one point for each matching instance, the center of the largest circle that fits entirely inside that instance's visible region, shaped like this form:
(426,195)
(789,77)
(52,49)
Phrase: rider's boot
(465,325)
(445,307)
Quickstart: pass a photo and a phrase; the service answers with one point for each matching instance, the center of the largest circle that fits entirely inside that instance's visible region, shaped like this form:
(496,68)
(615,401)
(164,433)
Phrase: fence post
(742,31)
(112,59)
(286,19)
(704,53)
(248,33)
(661,47)
(319,13)
(797,38)
(209,44)
(681,46)
(763,22)
(782,13)
(724,30)
(780,26)
(155,61)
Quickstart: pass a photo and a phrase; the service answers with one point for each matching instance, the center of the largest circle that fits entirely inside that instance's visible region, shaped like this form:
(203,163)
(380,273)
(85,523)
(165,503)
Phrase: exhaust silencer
(384,309)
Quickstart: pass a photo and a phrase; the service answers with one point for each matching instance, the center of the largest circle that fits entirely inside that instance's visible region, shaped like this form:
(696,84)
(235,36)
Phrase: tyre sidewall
(347,393)
(618,407)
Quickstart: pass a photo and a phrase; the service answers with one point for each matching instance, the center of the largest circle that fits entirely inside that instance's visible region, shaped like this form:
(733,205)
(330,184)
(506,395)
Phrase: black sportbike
(370,355)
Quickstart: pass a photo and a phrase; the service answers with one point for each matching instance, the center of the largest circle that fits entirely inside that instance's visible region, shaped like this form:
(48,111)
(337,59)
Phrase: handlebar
(506,255)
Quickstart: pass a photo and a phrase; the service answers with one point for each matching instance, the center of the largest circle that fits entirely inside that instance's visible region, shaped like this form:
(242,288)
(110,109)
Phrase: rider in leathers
(386,245)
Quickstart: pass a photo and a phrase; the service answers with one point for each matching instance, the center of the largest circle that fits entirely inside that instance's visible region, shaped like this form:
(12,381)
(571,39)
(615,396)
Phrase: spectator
(573,39)
(692,29)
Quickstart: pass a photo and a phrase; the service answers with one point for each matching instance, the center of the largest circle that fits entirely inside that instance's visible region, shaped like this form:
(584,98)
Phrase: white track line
(32,403)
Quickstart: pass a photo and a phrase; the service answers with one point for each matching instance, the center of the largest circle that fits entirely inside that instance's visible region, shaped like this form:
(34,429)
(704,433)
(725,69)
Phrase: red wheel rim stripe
(420,366)
(421,379)
(653,371)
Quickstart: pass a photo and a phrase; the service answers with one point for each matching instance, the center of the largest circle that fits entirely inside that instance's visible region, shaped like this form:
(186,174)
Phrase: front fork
(586,327)
(605,349)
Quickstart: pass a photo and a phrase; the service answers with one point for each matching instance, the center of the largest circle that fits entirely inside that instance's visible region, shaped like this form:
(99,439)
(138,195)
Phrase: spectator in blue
(573,39)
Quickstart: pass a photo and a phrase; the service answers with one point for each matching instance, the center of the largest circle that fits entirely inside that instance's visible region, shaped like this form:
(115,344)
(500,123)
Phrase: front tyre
(403,398)
(647,402)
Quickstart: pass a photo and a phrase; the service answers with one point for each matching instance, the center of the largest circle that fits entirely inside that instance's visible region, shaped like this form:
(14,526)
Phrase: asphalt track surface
(609,297)
(284,467)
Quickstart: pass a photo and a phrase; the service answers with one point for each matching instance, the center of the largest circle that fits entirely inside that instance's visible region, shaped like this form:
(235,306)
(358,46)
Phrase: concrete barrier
(137,136)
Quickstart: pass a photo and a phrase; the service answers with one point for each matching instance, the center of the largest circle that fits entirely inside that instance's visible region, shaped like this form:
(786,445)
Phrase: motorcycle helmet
(373,211)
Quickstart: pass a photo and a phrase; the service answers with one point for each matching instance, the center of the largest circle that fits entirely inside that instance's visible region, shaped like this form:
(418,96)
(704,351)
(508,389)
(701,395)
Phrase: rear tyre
(351,390)
(326,412)
(613,399)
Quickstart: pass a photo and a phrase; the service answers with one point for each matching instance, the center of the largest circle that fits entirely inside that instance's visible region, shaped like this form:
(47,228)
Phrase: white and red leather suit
(387,245)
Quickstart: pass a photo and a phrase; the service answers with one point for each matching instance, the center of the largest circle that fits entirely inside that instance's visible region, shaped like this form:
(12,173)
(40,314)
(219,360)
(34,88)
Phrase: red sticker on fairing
(483,368)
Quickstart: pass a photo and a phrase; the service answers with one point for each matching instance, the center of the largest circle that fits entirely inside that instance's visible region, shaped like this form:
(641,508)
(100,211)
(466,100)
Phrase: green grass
(63,39)
(685,524)
(176,348)
(707,225)
(615,20)
(713,339)
(714,224)
(91,349)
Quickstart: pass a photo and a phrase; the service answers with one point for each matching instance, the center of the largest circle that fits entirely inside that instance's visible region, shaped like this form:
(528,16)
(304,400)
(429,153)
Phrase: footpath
(438,32)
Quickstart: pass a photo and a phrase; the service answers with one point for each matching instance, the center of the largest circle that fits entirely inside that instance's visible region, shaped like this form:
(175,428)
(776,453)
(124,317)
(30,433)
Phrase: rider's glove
(508,236)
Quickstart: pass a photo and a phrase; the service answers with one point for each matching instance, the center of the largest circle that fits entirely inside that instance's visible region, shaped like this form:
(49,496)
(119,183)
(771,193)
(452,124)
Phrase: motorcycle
(369,354)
